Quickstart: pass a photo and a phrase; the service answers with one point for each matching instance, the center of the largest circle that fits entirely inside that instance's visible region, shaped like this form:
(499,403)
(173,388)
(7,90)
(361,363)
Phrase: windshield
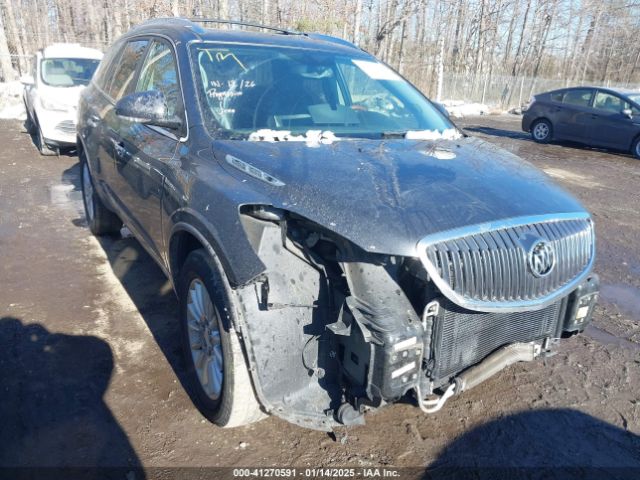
(67,72)
(243,89)
(634,97)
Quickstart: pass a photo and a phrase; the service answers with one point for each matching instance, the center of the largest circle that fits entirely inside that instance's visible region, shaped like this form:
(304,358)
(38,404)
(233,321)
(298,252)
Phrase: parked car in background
(52,91)
(594,116)
(334,241)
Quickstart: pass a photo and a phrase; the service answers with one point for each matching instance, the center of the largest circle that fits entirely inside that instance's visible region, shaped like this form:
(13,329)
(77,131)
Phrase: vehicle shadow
(52,407)
(518,135)
(541,444)
(498,132)
(152,294)
(144,282)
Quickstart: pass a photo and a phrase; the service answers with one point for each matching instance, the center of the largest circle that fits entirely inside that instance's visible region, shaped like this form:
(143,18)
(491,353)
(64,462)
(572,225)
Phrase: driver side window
(159,73)
(609,103)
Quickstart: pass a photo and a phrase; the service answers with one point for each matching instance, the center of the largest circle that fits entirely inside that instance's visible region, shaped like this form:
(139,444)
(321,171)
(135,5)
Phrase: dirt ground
(90,366)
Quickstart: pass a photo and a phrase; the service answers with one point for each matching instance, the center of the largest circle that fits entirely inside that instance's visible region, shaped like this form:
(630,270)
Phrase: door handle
(120,150)
(92,120)
(142,164)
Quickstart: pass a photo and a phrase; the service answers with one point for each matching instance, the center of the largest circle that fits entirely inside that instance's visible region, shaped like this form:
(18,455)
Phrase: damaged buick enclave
(335,242)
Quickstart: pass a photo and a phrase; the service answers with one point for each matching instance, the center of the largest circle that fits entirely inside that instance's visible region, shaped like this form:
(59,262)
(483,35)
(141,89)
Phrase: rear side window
(580,98)
(557,96)
(159,73)
(126,70)
(105,69)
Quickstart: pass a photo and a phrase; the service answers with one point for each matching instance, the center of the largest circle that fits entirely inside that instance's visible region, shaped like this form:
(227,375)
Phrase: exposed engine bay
(331,330)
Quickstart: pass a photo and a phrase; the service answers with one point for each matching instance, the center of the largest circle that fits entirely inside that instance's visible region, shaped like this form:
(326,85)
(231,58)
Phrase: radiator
(461,338)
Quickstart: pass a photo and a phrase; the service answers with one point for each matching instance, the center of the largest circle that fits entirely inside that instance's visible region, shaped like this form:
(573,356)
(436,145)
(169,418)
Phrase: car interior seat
(55,73)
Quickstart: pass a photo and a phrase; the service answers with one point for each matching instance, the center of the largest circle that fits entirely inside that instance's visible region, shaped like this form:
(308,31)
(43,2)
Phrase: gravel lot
(90,367)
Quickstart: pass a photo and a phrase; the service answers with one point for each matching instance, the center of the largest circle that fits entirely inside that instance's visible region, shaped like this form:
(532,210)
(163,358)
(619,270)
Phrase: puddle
(625,297)
(607,338)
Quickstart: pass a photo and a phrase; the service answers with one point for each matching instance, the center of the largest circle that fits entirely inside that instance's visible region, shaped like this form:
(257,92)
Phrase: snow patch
(461,109)
(448,134)
(11,104)
(313,138)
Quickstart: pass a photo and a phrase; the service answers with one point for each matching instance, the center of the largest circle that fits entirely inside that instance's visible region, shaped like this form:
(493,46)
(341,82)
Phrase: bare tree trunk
(356,22)
(440,68)
(401,56)
(13,35)
(6,69)
(223,9)
(589,43)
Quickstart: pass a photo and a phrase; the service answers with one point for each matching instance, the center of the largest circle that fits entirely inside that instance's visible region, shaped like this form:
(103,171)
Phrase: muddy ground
(90,367)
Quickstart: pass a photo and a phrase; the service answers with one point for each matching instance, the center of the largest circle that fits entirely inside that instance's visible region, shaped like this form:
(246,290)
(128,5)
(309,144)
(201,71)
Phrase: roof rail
(329,38)
(151,21)
(246,24)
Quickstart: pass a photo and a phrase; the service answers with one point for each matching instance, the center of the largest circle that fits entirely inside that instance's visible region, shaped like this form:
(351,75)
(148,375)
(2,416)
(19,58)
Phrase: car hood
(67,96)
(386,195)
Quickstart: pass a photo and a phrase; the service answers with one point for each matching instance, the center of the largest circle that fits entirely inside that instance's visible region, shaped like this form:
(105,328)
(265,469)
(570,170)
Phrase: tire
(542,131)
(28,123)
(218,380)
(41,144)
(635,149)
(100,219)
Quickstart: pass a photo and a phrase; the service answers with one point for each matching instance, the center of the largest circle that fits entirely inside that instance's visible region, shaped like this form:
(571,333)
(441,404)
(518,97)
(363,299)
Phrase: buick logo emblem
(542,258)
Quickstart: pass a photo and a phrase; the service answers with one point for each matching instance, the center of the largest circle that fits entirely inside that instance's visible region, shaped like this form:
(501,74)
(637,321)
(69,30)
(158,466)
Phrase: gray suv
(335,242)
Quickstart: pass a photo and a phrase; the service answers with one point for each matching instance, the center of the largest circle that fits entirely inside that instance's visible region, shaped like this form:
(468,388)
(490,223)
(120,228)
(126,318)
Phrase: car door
(573,115)
(142,151)
(122,82)
(30,90)
(610,127)
(94,103)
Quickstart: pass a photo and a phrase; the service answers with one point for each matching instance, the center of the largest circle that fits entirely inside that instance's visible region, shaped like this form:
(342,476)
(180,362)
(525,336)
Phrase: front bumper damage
(331,331)
(449,350)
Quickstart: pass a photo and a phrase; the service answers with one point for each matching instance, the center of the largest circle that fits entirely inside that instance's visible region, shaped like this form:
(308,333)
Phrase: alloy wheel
(87,192)
(541,131)
(204,339)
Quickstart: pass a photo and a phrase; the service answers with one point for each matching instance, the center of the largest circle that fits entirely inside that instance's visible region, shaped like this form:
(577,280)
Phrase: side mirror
(442,108)
(149,108)
(627,112)
(27,80)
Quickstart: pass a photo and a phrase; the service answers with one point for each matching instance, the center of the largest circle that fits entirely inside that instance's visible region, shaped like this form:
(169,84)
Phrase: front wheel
(28,123)
(41,143)
(636,148)
(542,131)
(100,219)
(217,375)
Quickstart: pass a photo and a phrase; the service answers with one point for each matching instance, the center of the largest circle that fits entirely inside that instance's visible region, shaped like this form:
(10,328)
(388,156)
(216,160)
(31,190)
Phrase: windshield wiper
(393,134)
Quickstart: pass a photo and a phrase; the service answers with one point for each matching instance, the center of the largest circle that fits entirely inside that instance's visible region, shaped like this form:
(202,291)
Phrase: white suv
(51,94)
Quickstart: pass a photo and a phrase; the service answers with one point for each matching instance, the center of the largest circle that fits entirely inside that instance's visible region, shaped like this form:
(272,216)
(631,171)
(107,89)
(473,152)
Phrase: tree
(6,68)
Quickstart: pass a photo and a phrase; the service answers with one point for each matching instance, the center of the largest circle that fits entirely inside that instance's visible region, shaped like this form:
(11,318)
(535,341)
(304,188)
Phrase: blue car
(594,116)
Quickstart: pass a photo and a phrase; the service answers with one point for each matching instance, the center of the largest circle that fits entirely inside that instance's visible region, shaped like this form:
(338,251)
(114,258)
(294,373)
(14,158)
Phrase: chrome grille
(486,267)
(67,126)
